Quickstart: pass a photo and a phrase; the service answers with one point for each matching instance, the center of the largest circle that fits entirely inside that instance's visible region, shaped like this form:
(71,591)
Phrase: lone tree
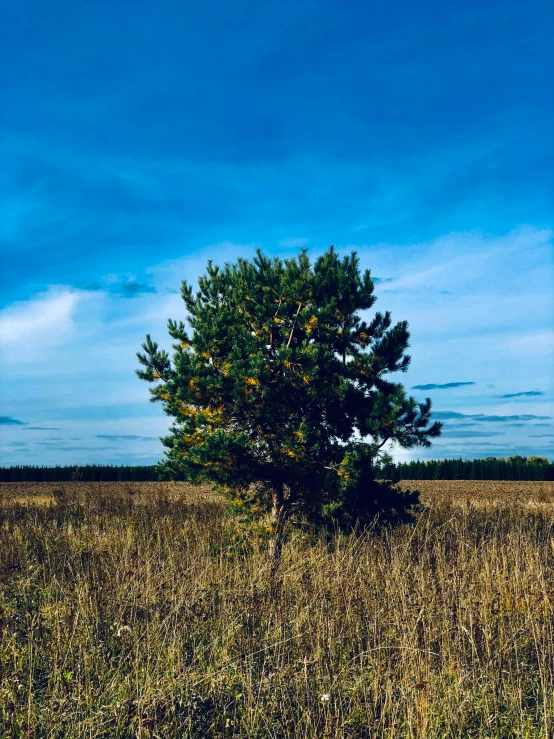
(279,393)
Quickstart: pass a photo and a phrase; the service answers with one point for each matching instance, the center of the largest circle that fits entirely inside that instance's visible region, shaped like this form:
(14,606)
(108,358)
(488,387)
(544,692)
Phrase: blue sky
(137,140)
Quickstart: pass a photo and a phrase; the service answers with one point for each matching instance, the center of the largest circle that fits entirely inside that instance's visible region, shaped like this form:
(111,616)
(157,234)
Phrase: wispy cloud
(8,421)
(454,433)
(134,289)
(453,415)
(526,394)
(118,437)
(465,424)
(46,319)
(83,448)
(381,280)
(444,267)
(41,428)
(446,386)
(503,419)
(120,287)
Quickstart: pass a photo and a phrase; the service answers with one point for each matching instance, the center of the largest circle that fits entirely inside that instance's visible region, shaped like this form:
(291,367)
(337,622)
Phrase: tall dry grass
(159,620)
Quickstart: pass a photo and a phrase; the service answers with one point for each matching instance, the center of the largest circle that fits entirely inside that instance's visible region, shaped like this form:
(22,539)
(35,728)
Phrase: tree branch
(382,444)
(294,325)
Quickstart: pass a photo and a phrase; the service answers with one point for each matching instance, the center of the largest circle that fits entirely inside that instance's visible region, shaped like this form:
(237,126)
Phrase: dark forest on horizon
(491,468)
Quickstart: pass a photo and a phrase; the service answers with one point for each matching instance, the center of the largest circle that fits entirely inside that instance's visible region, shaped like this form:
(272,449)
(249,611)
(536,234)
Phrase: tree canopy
(280,381)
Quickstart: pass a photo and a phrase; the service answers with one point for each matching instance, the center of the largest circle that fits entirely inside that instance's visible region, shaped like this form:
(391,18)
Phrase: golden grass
(159,620)
(39,493)
(484,492)
(452,492)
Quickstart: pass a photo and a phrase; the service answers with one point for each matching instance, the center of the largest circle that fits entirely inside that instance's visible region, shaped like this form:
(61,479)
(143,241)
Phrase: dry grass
(485,493)
(159,620)
(37,493)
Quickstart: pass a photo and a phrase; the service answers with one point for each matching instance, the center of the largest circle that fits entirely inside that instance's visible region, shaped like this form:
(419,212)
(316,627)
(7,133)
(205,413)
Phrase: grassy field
(141,610)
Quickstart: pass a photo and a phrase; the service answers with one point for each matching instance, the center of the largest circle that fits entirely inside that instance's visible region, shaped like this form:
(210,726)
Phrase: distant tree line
(87,473)
(491,468)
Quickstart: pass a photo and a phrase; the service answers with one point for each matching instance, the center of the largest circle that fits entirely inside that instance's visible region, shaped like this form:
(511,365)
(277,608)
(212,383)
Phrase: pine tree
(280,393)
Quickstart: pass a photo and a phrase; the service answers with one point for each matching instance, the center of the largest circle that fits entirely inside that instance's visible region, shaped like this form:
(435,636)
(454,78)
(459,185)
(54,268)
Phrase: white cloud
(471,288)
(45,320)
(464,259)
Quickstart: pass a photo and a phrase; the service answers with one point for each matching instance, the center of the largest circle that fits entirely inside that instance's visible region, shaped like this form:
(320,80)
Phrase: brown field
(89,492)
(483,492)
(160,620)
(433,492)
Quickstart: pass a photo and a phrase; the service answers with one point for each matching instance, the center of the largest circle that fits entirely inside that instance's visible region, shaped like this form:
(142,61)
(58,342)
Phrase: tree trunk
(278,518)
